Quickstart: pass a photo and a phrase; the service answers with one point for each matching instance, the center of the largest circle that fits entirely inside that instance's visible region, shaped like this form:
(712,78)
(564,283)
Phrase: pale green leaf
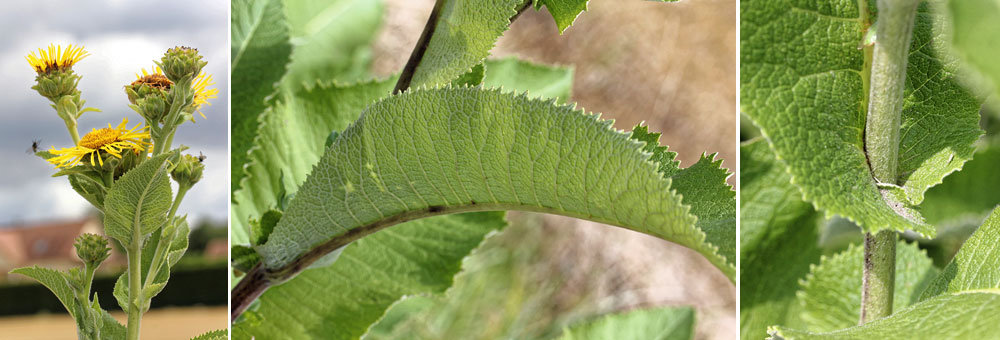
(977,264)
(702,186)
(220,334)
(464,33)
(564,12)
(831,293)
(968,315)
(451,150)
(290,141)
(138,202)
(342,300)
(539,81)
(777,242)
(966,197)
(670,323)
(802,81)
(56,281)
(362,273)
(260,52)
(975,37)
(331,40)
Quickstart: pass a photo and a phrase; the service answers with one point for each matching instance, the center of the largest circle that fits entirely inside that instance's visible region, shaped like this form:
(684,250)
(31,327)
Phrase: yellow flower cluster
(56,58)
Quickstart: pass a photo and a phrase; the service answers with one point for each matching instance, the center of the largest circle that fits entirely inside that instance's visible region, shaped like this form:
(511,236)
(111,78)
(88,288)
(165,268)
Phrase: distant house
(48,244)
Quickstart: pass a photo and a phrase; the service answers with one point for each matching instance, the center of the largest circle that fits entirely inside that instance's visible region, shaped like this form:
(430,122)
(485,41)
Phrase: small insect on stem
(34,146)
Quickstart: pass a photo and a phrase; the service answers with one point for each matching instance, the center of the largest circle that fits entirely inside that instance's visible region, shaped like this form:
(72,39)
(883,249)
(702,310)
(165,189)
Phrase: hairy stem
(888,78)
(424,41)
(73,133)
(164,244)
(134,287)
(879,275)
(885,108)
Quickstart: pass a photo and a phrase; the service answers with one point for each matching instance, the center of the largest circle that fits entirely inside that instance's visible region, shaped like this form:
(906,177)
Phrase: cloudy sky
(122,37)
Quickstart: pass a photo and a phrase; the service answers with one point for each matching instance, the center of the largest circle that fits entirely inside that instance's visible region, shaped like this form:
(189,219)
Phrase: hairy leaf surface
(363,272)
(672,323)
(831,293)
(803,81)
(452,150)
(977,264)
(139,201)
(464,33)
(260,51)
(565,12)
(777,242)
(966,197)
(342,300)
(968,315)
(56,281)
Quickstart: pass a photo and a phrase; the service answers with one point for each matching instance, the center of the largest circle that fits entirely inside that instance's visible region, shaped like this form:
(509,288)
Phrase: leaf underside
(775,223)
(807,97)
(963,302)
(671,323)
(469,149)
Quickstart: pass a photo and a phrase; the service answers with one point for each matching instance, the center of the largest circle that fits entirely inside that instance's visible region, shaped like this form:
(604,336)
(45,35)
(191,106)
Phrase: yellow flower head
(201,91)
(56,58)
(155,79)
(200,86)
(109,139)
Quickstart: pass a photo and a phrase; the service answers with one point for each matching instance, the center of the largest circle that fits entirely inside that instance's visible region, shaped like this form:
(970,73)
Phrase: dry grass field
(158,324)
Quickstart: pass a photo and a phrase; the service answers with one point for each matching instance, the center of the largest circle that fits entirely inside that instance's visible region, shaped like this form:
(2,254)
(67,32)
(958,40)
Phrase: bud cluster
(188,171)
(92,249)
(180,62)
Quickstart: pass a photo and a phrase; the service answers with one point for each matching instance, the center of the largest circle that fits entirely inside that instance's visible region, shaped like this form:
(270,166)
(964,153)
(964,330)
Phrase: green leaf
(975,37)
(331,40)
(703,186)
(831,293)
(362,273)
(803,83)
(777,241)
(471,78)
(342,300)
(244,258)
(977,264)
(138,202)
(260,52)
(564,12)
(968,196)
(464,33)
(219,334)
(538,81)
(56,281)
(440,151)
(88,188)
(178,243)
(290,141)
(673,323)
(968,315)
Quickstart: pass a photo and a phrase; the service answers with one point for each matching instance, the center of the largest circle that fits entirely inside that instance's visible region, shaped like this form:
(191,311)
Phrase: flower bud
(188,170)
(180,62)
(92,249)
(150,95)
(130,159)
(56,84)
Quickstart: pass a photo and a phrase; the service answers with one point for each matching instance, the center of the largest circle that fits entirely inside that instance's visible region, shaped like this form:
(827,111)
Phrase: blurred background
(672,65)
(41,215)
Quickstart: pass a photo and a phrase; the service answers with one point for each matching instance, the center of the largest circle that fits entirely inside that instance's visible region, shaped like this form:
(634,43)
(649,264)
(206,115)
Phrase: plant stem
(885,107)
(161,247)
(888,78)
(73,133)
(134,287)
(879,277)
(418,51)
(424,41)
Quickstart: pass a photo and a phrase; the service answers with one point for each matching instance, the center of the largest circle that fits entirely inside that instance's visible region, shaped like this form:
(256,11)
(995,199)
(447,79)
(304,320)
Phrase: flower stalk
(885,106)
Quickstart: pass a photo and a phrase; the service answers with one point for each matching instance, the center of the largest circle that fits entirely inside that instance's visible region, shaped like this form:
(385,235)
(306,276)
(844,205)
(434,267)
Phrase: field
(164,323)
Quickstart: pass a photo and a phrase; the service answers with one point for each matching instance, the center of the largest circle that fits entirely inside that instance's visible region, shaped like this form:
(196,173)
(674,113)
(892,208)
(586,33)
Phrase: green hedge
(205,286)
